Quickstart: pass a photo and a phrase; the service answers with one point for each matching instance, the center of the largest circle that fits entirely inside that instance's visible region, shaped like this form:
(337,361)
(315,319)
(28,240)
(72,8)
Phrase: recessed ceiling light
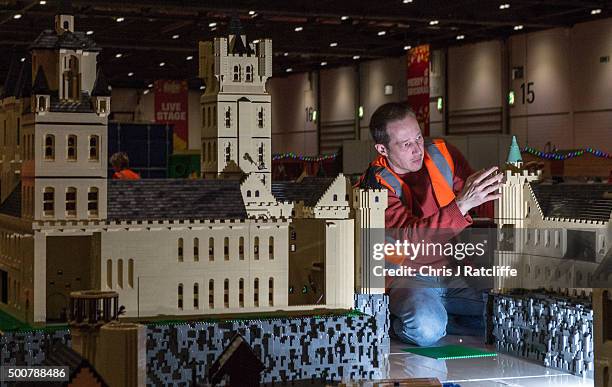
(596,11)
(519,27)
(406,48)
(254,14)
(289,70)
(433,22)
(150,85)
(504,6)
(213,29)
(344,18)
(130,74)
(460,37)
(286,54)
(298,29)
(118,55)
(146,91)
(162,64)
(255,41)
(407,1)
(17,16)
(356,57)
(213,24)
(175,36)
(251,13)
(333,44)
(119,19)
(23,59)
(381,33)
(202,87)
(189,57)
(42,2)
(323,63)
(90,32)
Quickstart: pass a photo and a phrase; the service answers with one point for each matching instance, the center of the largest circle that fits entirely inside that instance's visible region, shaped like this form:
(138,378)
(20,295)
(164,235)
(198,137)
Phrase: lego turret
(101,94)
(514,154)
(64,20)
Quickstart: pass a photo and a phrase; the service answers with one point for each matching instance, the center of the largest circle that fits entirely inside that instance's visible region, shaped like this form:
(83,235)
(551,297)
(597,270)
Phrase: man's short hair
(120,160)
(389,112)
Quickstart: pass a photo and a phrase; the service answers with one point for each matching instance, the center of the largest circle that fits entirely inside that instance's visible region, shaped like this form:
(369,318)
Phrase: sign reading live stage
(171,104)
(418,85)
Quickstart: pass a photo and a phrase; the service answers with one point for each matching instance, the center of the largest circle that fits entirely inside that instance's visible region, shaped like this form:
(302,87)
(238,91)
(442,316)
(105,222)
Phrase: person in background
(121,165)
(431,188)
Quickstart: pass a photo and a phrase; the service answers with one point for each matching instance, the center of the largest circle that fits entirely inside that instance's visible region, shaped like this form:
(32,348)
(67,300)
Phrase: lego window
(211,293)
(208,116)
(180,250)
(335,197)
(256,248)
(248,193)
(49,147)
(271,248)
(241,292)
(241,248)
(120,273)
(271,292)
(536,237)
(72,147)
(103,106)
(557,239)
(226,293)
(180,296)
(214,116)
(256,292)
(256,193)
(109,273)
(42,103)
(226,248)
(236,73)
(94,148)
(66,25)
(211,249)
(260,118)
(260,155)
(228,117)
(228,153)
(131,273)
(249,73)
(196,249)
(92,201)
(196,296)
(71,201)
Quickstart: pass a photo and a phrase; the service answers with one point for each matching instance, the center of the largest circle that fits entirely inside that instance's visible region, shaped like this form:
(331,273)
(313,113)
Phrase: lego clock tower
(236,108)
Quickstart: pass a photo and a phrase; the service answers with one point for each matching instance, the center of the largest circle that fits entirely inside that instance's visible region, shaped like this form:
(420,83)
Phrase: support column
(40,278)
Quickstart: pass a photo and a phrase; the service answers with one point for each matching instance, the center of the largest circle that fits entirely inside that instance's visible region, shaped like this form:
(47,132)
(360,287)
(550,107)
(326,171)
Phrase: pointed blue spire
(514,155)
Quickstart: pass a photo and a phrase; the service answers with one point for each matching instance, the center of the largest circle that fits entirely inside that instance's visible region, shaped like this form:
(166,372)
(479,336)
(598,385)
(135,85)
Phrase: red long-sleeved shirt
(423,219)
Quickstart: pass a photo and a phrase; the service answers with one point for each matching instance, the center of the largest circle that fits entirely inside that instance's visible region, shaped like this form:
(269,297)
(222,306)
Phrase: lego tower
(236,108)
(65,129)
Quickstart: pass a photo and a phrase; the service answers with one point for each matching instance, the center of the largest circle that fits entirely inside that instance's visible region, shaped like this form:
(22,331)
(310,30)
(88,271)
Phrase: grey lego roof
(12,204)
(41,86)
(62,355)
(309,190)
(10,83)
(50,39)
(174,199)
(67,106)
(574,201)
(101,87)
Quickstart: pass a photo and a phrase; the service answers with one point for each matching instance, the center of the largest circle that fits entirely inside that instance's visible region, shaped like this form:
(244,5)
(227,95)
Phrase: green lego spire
(514,155)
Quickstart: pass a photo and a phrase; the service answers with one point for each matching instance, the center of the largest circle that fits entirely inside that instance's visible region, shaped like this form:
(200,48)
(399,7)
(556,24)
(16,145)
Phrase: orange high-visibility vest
(440,167)
(126,174)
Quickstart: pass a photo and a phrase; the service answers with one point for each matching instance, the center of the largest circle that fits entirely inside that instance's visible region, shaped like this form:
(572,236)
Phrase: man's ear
(380,148)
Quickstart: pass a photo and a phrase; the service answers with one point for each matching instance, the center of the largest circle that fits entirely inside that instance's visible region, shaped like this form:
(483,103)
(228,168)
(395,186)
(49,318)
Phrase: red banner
(171,105)
(418,85)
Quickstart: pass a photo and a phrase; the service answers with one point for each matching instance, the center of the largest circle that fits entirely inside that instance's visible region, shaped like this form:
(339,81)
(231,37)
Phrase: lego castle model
(234,242)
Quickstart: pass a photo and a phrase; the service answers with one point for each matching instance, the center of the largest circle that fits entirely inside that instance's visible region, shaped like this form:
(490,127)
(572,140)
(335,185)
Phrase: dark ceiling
(153,31)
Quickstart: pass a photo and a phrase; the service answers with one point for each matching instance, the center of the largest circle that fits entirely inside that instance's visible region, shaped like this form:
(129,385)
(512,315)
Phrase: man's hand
(481,187)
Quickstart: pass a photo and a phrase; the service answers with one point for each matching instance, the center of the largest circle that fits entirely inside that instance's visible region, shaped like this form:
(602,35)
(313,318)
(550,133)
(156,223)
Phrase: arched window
(42,104)
(248,193)
(92,201)
(71,201)
(131,273)
(208,117)
(236,73)
(261,154)
(241,248)
(94,148)
(109,273)
(180,296)
(196,296)
(49,201)
(66,25)
(271,248)
(249,73)
(196,249)
(226,293)
(271,292)
(256,292)
(241,293)
(70,77)
(226,248)
(228,152)
(211,249)
(256,193)
(260,118)
(49,147)
(335,197)
(120,273)
(228,117)
(256,248)
(211,293)
(180,250)
(72,147)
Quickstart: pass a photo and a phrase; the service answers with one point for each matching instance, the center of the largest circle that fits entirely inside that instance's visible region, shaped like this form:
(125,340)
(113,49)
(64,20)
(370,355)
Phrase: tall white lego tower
(236,108)
(65,132)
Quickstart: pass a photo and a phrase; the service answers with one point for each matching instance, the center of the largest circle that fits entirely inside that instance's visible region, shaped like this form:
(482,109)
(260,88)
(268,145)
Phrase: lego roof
(574,201)
(62,355)
(12,204)
(309,190)
(173,199)
(50,39)
(67,106)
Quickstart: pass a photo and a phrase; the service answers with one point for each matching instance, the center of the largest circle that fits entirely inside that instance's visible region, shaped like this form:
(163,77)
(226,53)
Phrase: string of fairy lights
(565,155)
